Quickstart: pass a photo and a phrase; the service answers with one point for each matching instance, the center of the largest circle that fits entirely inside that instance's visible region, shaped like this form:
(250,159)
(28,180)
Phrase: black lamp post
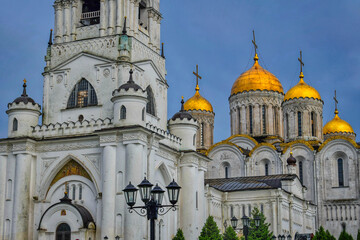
(152,198)
(289,237)
(117,238)
(245,221)
(234,222)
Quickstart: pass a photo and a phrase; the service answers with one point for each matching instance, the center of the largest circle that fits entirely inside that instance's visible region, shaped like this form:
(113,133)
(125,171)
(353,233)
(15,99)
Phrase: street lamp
(152,199)
(245,221)
(117,238)
(273,237)
(282,237)
(234,222)
(257,220)
(289,237)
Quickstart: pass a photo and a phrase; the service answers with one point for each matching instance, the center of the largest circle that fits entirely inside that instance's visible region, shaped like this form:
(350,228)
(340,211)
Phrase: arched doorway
(63,232)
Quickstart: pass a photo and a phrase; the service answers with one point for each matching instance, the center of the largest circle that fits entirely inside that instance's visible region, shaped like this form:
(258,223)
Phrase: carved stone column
(103,24)
(67,21)
(243,120)
(112,9)
(58,21)
(120,7)
(74,19)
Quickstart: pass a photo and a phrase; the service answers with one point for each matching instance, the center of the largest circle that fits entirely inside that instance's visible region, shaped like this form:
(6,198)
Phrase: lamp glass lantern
(245,221)
(234,222)
(289,237)
(145,189)
(117,238)
(130,194)
(282,237)
(273,237)
(257,220)
(157,194)
(173,192)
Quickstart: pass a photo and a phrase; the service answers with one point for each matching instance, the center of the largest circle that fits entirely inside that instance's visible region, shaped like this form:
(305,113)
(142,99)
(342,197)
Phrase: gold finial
(66,186)
(24,80)
(291,153)
(197,78)
(301,65)
(182,97)
(336,103)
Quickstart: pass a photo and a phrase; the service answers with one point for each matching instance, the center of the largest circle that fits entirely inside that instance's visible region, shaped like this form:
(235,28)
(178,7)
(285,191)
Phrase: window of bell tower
(143,15)
(90,12)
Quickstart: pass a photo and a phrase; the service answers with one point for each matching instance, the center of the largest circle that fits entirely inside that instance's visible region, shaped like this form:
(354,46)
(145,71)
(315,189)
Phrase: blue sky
(217,36)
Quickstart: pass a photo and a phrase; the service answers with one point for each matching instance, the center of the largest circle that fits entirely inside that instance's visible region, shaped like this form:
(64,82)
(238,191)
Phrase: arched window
(287,125)
(80,192)
(227,170)
(123,112)
(313,124)
(82,95)
(143,114)
(301,173)
(15,124)
(90,12)
(150,106)
(239,117)
(251,119)
(299,124)
(231,211)
(264,119)
(266,169)
(73,192)
(202,133)
(340,164)
(63,232)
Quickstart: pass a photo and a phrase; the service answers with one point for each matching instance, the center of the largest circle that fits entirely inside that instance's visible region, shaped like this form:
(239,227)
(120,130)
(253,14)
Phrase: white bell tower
(95,44)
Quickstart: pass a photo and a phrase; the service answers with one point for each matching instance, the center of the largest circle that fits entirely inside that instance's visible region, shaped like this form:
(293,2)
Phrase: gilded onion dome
(302,90)
(337,125)
(256,78)
(198,102)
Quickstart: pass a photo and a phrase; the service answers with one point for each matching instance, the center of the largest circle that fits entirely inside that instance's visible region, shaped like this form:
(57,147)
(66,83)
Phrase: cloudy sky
(217,36)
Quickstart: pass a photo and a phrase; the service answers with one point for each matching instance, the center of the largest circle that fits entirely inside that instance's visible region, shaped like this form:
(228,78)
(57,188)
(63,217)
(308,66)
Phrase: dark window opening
(90,12)
(251,119)
(143,15)
(264,119)
(301,174)
(202,134)
(15,124)
(143,114)
(287,125)
(266,169)
(299,124)
(73,192)
(239,117)
(226,171)
(231,211)
(341,172)
(150,106)
(63,232)
(83,95)
(313,124)
(81,118)
(123,112)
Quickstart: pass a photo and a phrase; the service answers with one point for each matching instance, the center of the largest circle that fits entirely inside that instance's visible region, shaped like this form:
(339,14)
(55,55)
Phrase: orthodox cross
(301,62)
(24,80)
(336,101)
(254,42)
(197,75)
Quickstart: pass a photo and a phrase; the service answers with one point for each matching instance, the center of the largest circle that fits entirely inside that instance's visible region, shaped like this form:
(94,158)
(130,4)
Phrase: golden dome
(302,90)
(197,102)
(256,78)
(337,125)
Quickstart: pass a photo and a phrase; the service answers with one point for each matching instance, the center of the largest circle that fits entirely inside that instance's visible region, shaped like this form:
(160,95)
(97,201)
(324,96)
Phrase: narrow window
(251,119)
(143,15)
(9,190)
(197,200)
(123,112)
(264,119)
(231,211)
(194,139)
(226,168)
(73,192)
(243,210)
(266,169)
(80,192)
(299,124)
(63,232)
(301,172)
(82,95)
(287,125)
(90,12)
(202,134)
(67,188)
(150,106)
(249,210)
(341,172)
(15,124)
(143,114)
(262,208)
(276,128)
(313,124)
(239,117)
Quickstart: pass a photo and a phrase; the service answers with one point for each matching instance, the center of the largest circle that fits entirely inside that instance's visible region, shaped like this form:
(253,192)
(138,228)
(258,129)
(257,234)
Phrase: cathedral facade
(104,123)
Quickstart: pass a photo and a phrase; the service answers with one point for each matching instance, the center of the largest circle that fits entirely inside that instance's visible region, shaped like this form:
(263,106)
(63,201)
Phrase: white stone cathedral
(104,123)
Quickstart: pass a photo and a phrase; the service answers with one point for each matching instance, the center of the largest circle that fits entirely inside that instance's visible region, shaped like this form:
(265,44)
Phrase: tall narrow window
(287,125)
(80,192)
(264,119)
(15,124)
(90,12)
(266,169)
(143,114)
(197,200)
(123,112)
(299,124)
(82,95)
(150,106)
(202,133)
(301,174)
(262,208)
(231,211)
(9,190)
(276,124)
(226,168)
(73,192)
(251,119)
(194,139)
(249,210)
(313,124)
(239,117)
(340,172)
(63,232)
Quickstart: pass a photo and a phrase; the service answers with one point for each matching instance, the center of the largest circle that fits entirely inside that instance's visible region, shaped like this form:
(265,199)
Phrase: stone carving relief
(46,163)
(106,72)
(53,147)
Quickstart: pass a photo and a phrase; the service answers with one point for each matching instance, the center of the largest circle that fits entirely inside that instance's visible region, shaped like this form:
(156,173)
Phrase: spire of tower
(50,39)
(24,90)
(301,66)
(182,104)
(131,76)
(162,50)
(124,28)
(256,58)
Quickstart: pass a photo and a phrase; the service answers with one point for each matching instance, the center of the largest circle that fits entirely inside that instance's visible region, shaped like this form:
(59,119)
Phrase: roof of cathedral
(302,90)
(198,102)
(182,113)
(337,125)
(24,97)
(256,78)
(249,183)
(130,84)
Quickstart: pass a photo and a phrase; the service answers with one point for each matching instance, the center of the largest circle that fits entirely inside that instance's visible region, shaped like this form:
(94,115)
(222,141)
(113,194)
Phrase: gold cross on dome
(254,42)
(24,80)
(336,101)
(197,75)
(301,62)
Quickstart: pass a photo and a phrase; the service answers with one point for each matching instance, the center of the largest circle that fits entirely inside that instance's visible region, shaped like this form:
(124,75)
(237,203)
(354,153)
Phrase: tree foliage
(261,232)
(321,234)
(358,235)
(179,235)
(345,236)
(210,231)
(230,234)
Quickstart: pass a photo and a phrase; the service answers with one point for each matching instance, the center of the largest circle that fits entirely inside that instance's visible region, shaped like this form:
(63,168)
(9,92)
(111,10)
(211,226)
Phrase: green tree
(321,234)
(261,232)
(179,235)
(345,236)
(358,236)
(210,231)
(230,234)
